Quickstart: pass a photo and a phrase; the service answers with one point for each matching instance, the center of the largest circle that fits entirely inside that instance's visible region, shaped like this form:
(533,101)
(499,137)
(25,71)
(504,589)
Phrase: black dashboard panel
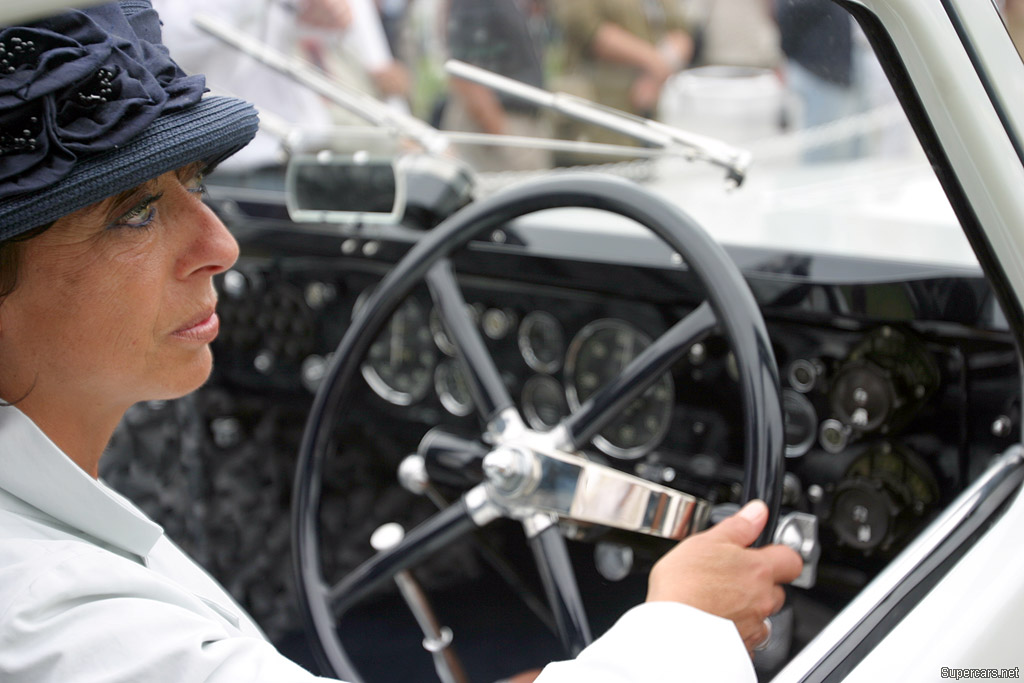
(900,382)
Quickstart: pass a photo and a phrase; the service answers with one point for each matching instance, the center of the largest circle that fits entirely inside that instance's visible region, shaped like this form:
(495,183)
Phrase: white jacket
(91,591)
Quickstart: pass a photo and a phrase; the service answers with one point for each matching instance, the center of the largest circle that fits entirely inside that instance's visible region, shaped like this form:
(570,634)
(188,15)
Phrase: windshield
(835,167)
(1012,12)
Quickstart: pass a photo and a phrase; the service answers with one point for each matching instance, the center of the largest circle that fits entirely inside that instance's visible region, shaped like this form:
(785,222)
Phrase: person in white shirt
(107,255)
(345,36)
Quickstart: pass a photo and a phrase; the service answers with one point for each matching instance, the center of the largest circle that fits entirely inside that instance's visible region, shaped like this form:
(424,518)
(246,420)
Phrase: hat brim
(209,131)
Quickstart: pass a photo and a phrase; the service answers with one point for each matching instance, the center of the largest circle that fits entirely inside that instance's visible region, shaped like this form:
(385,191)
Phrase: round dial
(598,354)
(400,362)
(544,403)
(452,389)
(542,342)
(801,420)
(884,495)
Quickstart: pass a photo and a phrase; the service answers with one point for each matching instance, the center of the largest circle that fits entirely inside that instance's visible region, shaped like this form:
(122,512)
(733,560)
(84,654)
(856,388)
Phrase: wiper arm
(365,106)
(734,160)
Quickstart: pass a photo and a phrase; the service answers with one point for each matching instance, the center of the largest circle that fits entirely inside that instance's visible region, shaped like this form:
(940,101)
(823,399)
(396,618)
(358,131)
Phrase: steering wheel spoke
(473,511)
(556,573)
(482,376)
(637,377)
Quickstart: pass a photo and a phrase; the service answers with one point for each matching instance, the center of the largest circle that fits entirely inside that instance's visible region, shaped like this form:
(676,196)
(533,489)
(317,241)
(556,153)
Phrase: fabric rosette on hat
(91,104)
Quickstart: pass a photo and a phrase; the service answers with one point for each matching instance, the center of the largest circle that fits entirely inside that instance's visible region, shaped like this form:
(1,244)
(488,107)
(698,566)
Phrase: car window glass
(835,165)
(1012,12)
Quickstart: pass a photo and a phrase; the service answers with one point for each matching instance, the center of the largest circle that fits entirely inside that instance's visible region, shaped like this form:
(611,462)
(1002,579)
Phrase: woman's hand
(716,571)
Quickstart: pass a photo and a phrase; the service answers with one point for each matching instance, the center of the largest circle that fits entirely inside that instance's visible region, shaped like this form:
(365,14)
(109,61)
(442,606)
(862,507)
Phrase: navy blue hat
(91,105)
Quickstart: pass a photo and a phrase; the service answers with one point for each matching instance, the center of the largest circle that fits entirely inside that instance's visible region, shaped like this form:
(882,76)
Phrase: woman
(107,255)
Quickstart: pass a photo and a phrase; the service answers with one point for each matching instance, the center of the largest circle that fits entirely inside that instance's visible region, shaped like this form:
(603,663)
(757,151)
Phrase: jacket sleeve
(78,617)
(660,641)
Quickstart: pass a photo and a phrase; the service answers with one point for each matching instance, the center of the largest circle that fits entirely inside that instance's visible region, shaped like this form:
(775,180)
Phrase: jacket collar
(35,470)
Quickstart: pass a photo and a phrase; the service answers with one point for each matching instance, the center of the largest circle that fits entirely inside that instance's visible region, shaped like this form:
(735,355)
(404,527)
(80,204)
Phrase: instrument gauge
(542,342)
(597,355)
(544,403)
(801,422)
(400,362)
(440,333)
(452,388)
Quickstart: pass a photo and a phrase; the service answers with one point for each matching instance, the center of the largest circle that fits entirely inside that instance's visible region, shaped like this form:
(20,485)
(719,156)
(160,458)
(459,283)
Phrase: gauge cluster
(554,351)
(554,357)
(878,411)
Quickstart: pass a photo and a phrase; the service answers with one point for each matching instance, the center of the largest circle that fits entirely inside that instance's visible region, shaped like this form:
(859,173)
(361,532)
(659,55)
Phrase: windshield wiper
(734,160)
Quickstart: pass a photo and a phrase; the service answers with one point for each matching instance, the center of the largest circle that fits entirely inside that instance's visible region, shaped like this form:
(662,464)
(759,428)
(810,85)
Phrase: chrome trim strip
(576,489)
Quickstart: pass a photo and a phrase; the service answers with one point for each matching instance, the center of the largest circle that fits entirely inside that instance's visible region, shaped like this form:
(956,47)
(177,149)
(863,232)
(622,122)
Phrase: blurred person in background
(619,53)
(277,24)
(392,20)
(734,33)
(361,56)
(817,39)
(328,33)
(500,36)
(833,73)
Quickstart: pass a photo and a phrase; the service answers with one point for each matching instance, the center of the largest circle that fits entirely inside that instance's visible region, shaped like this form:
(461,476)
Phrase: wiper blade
(734,160)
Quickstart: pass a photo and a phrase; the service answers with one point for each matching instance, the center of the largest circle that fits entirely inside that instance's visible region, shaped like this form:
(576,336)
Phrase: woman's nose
(212,248)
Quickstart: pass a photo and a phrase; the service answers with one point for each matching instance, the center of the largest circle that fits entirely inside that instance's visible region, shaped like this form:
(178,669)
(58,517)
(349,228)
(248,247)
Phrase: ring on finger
(767,634)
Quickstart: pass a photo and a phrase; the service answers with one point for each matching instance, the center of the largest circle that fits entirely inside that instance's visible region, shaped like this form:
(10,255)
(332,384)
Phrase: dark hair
(10,262)
(10,258)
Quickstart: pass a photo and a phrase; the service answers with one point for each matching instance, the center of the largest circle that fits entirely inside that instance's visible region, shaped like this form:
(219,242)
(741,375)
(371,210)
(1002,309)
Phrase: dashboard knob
(883,382)
(235,284)
(862,513)
(882,498)
(264,362)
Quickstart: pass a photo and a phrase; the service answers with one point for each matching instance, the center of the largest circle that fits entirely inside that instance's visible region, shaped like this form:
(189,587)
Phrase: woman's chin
(185,378)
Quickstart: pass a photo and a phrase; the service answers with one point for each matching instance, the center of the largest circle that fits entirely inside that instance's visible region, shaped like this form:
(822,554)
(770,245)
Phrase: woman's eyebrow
(115,206)
(186,173)
(119,203)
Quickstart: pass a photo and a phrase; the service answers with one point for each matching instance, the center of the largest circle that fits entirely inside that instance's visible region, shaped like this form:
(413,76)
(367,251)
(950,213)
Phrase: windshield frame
(961,127)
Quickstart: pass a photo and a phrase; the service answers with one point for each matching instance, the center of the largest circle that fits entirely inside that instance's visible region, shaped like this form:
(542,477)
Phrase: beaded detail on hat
(15,52)
(92,86)
(91,105)
(18,138)
(23,140)
(98,90)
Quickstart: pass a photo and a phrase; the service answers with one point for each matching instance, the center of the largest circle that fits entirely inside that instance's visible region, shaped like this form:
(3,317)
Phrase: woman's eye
(139,217)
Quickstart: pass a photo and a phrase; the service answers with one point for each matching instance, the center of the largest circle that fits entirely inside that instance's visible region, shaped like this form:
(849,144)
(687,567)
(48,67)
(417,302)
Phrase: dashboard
(900,382)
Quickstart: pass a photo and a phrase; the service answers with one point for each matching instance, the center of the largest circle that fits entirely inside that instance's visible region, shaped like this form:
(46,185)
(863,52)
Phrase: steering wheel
(535,477)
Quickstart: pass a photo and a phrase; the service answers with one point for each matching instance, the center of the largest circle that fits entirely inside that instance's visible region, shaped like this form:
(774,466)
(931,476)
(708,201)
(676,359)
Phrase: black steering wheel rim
(739,319)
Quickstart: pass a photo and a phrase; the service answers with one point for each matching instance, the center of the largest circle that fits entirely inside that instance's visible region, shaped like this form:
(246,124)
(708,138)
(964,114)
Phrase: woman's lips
(203,329)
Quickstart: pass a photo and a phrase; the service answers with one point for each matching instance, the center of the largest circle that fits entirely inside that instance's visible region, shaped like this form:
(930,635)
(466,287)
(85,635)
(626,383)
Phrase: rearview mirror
(329,187)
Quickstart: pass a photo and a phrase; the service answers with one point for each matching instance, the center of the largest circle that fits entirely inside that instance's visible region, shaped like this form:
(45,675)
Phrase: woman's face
(115,303)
